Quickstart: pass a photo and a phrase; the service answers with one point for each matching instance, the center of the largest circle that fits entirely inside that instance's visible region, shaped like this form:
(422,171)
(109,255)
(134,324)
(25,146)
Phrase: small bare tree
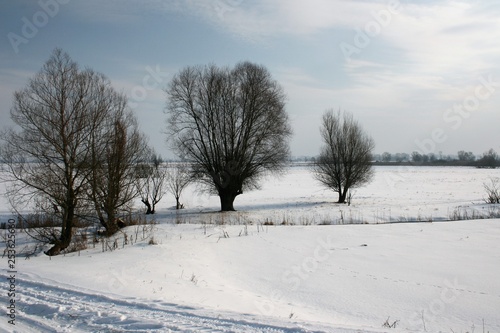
(232,125)
(345,159)
(179,177)
(151,179)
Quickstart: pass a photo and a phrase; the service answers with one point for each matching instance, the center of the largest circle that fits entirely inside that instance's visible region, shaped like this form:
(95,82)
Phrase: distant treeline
(489,159)
(452,162)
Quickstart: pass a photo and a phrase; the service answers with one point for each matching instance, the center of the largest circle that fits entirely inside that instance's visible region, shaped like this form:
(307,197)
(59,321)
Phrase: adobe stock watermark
(224,6)
(455,115)
(31,26)
(151,81)
(10,242)
(454,118)
(292,278)
(437,307)
(116,282)
(371,29)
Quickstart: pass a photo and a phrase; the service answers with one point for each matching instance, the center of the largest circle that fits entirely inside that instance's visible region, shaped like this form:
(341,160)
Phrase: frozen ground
(246,277)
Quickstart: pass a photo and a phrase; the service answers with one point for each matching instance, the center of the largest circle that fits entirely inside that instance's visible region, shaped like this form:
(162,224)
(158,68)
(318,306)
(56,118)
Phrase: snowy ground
(395,194)
(246,277)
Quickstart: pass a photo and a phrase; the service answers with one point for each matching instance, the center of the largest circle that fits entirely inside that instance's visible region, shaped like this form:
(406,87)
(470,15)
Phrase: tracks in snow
(46,307)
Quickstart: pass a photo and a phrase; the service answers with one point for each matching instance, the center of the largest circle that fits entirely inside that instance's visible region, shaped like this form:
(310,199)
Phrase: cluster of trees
(489,159)
(74,147)
(76,150)
(232,124)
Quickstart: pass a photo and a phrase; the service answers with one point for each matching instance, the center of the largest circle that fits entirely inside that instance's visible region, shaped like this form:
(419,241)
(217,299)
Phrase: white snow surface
(304,276)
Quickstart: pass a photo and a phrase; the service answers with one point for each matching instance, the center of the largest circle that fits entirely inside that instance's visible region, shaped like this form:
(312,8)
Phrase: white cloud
(425,59)
(262,19)
(445,38)
(430,38)
(435,49)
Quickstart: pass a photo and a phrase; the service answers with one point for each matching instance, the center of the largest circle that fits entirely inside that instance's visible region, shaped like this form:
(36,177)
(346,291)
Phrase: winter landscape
(269,166)
(288,260)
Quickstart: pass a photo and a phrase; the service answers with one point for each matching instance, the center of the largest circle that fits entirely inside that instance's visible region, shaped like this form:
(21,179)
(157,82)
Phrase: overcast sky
(418,75)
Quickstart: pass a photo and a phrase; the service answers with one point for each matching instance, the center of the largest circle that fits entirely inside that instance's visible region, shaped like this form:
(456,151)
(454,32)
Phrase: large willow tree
(231,124)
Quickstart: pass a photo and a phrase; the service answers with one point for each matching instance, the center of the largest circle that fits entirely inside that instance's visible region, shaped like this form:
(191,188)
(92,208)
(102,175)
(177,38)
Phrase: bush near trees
(492,191)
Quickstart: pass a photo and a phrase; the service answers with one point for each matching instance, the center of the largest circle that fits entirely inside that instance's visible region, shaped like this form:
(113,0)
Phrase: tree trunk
(111,225)
(112,228)
(66,234)
(178,203)
(342,196)
(227,201)
(149,210)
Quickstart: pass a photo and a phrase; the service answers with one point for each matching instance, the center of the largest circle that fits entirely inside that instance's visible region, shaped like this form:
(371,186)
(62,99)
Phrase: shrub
(492,191)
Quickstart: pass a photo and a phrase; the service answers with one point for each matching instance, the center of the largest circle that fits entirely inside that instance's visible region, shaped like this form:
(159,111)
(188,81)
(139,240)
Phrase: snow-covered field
(304,276)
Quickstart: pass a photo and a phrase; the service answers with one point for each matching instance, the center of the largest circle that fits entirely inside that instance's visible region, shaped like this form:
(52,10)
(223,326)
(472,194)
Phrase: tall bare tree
(345,159)
(46,153)
(232,125)
(117,148)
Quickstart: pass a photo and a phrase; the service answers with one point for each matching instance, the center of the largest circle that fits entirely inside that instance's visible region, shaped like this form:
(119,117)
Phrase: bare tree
(401,157)
(117,148)
(151,179)
(386,157)
(489,159)
(345,159)
(417,157)
(466,156)
(179,177)
(231,123)
(45,155)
